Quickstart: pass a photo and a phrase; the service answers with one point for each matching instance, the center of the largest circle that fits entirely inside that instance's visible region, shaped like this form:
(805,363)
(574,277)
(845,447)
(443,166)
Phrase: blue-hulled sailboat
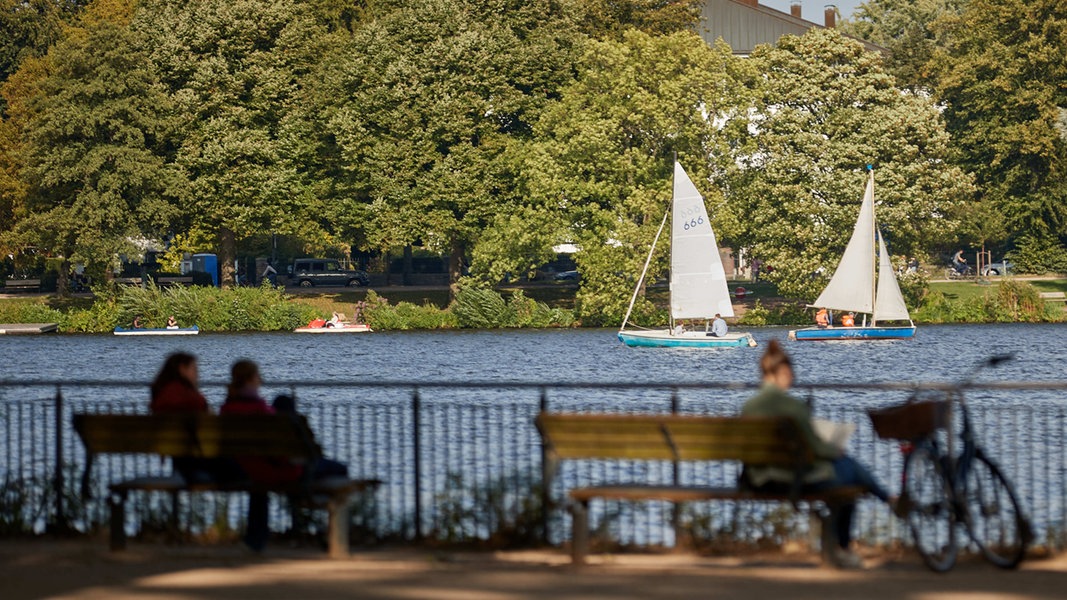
(864,283)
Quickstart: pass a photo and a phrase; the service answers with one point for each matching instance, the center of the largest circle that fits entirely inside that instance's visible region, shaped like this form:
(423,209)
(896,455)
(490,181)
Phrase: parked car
(998,268)
(308,272)
(567,276)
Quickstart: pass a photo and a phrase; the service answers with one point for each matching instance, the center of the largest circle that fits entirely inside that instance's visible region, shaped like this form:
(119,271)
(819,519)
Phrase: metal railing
(463,461)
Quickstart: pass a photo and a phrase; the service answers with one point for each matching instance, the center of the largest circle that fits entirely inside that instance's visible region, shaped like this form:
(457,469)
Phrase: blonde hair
(774,358)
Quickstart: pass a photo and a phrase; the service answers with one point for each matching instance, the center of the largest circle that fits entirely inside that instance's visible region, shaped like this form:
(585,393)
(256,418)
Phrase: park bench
(164,281)
(770,441)
(1054,296)
(22,285)
(211,436)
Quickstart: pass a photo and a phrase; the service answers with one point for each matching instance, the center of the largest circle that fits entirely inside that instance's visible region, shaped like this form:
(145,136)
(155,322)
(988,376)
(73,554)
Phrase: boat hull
(852,333)
(355,328)
(194,330)
(663,338)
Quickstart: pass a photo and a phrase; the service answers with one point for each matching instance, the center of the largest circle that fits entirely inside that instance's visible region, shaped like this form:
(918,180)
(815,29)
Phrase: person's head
(244,374)
(776,366)
(718,316)
(180,366)
(284,403)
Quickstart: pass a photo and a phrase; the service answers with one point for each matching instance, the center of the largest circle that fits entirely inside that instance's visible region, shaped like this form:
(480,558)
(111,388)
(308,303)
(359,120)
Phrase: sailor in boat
(718,327)
(172,323)
(822,318)
(848,320)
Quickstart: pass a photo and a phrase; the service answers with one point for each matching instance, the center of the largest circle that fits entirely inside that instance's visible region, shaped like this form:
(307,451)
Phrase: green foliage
(914,285)
(383,316)
(1012,301)
(28,311)
(905,28)
(505,512)
(999,75)
(604,154)
(827,109)
(483,308)
(789,313)
(1038,252)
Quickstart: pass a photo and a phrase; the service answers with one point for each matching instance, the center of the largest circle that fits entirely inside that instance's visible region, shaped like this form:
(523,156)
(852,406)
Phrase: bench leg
(338,526)
(117,503)
(580,532)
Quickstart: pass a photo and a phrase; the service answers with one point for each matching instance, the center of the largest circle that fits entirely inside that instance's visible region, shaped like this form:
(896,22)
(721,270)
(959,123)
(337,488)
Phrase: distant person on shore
(959,262)
(174,392)
(269,274)
(243,398)
(832,467)
(718,326)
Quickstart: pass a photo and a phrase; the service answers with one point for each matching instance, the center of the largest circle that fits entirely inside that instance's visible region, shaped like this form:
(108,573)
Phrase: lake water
(480,436)
(937,353)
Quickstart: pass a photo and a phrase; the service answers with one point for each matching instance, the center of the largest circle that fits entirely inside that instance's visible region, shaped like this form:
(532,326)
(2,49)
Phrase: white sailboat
(864,283)
(697,278)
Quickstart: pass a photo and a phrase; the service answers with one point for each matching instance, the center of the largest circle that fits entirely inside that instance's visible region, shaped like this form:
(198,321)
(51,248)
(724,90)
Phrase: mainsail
(698,280)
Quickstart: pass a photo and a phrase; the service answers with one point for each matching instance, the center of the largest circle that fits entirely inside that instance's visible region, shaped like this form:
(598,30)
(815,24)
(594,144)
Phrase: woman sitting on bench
(243,398)
(832,468)
(174,391)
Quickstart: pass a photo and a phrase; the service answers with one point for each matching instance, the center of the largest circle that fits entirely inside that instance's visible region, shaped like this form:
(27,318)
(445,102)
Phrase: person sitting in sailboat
(822,318)
(718,326)
(848,320)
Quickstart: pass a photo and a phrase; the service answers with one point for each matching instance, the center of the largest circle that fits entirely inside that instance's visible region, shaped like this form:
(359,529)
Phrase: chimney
(830,14)
(794,9)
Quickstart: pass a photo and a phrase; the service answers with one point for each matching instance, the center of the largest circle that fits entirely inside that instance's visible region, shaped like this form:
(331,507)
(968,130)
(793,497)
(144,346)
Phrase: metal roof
(744,25)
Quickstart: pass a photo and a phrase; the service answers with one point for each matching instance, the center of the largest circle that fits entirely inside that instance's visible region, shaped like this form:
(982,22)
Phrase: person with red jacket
(174,392)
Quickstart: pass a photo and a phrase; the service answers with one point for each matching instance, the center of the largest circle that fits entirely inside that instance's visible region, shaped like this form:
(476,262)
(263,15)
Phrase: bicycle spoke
(930,514)
(994,518)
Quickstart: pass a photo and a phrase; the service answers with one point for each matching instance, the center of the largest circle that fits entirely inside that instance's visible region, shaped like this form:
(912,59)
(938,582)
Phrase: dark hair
(774,358)
(284,403)
(170,371)
(242,372)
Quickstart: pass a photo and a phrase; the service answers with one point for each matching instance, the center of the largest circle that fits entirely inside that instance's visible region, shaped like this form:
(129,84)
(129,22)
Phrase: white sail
(698,280)
(852,286)
(890,303)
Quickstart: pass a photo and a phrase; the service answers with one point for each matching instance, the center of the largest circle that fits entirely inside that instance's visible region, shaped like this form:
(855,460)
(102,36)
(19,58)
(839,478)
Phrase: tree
(421,105)
(826,110)
(233,69)
(904,28)
(1000,77)
(600,18)
(90,125)
(28,28)
(605,151)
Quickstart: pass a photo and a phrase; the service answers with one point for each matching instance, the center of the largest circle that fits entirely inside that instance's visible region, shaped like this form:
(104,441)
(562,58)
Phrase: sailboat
(864,283)
(697,278)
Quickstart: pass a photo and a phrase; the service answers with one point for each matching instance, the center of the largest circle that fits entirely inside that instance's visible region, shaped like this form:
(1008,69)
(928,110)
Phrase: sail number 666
(693,223)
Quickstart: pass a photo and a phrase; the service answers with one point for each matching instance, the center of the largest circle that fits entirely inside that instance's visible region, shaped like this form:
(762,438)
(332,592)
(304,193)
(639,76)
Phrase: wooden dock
(27,328)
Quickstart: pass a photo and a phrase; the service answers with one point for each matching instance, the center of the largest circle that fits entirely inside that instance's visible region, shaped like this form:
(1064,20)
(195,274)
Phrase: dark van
(308,272)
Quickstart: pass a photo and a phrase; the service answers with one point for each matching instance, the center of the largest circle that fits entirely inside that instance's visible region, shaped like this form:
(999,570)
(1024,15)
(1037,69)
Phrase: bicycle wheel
(930,515)
(994,519)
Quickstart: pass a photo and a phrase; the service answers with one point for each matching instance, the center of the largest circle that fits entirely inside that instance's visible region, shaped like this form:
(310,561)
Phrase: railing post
(676,510)
(60,518)
(546,476)
(416,405)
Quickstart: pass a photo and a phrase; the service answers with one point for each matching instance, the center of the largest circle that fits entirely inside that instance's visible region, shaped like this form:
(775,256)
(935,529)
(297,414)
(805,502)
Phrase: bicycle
(951,272)
(941,489)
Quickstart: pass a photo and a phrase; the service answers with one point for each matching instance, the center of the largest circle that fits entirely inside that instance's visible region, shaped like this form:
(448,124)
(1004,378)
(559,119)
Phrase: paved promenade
(84,569)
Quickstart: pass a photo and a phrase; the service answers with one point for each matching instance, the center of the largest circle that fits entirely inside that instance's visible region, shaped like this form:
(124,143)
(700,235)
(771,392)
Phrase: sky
(812,10)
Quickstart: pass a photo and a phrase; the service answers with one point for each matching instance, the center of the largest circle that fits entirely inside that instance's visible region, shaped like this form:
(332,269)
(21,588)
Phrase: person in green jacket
(832,467)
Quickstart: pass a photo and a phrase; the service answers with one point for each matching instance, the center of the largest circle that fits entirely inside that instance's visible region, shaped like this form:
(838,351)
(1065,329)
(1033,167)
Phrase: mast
(874,256)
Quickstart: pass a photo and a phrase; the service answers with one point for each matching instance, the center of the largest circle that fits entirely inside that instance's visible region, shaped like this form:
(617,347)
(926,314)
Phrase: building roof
(744,24)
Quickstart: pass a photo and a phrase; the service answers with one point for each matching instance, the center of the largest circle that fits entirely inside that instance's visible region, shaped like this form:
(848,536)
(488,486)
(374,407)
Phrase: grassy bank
(269,309)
